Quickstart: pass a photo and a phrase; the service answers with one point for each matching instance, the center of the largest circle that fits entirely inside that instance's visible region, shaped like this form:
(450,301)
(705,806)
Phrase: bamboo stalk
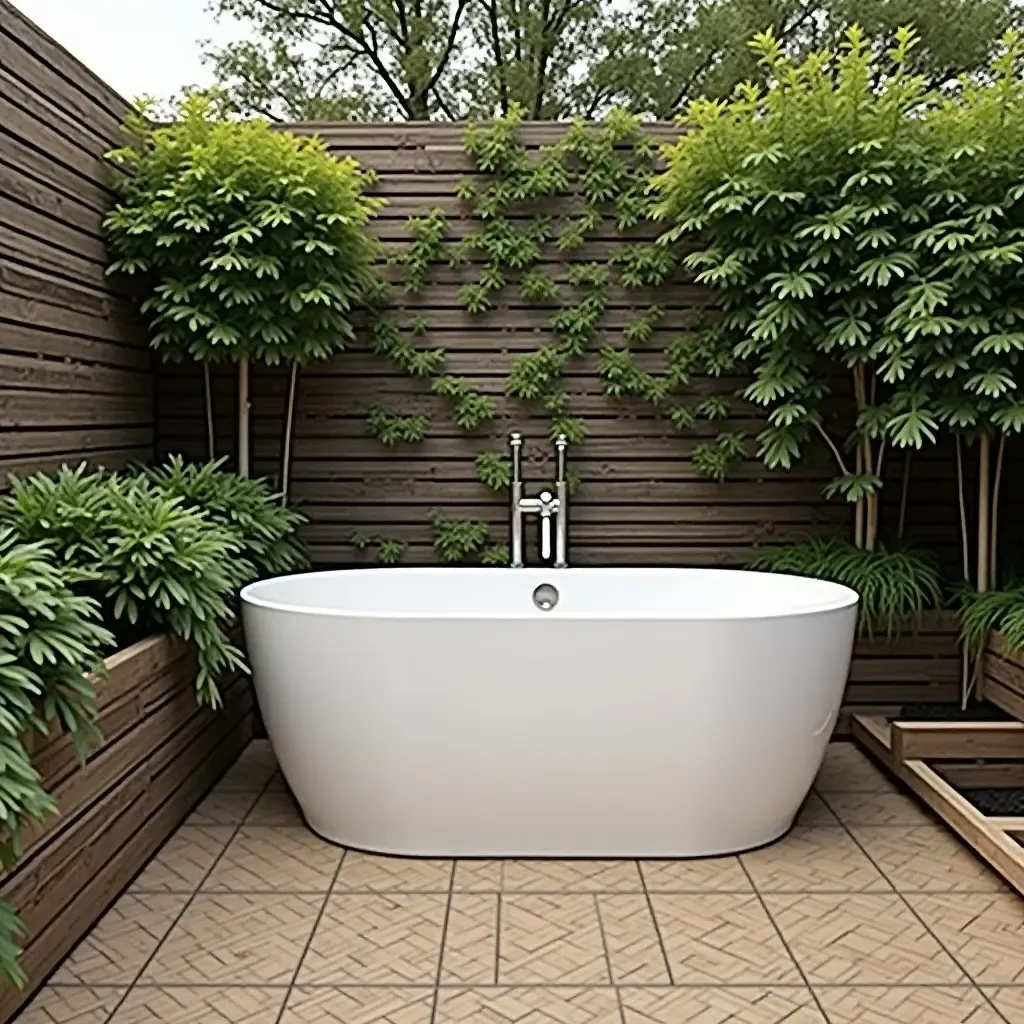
(993,551)
(289,422)
(904,491)
(858,525)
(244,408)
(962,498)
(211,437)
(984,510)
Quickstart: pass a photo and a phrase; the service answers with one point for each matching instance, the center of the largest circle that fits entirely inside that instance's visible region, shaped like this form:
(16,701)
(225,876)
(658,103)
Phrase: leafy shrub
(996,610)
(50,637)
(251,241)
(157,560)
(266,528)
(894,586)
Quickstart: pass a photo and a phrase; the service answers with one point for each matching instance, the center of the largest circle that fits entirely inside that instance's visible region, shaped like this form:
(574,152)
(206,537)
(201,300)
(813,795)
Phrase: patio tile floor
(869,912)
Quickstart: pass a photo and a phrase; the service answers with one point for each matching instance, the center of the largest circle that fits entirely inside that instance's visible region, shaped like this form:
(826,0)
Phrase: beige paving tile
(275,807)
(253,769)
(478,876)
(359,1006)
(906,1005)
(277,783)
(984,931)
(634,950)
(223,807)
(236,939)
(814,860)
(926,858)
(71,1005)
(184,1005)
(860,939)
(721,939)
(891,808)
(749,1005)
(376,939)
(846,770)
(710,874)
(117,948)
(527,1006)
(815,812)
(1009,1002)
(572,876)
(470,954)
(552,939)
(184,860)
(367,871)
(267,858)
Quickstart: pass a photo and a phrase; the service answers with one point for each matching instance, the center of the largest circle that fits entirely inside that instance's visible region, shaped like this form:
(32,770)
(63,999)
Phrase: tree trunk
(904,491)
(211,434)
(993,551)
(961,491)
(244,408)
(984,511)
(858,523)
(289,424)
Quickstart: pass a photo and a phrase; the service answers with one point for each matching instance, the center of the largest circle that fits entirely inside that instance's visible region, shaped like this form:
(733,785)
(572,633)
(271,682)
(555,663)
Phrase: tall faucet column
(515,444)
(562,494)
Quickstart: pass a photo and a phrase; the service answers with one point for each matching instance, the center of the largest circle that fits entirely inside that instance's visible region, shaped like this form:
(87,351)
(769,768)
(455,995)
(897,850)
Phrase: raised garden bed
(970,769)
(160,753)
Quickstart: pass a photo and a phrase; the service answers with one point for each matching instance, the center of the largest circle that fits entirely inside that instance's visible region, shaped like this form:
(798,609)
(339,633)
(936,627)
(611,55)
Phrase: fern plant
(51,640)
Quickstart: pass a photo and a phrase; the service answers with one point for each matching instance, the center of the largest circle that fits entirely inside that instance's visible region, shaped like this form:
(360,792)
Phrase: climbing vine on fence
(601,175)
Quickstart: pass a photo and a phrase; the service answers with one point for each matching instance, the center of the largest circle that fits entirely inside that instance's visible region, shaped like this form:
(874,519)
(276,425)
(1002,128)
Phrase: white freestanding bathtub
(648,713)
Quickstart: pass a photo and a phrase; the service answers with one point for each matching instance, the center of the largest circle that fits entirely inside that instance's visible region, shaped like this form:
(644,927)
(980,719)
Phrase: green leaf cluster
(51,636)
(895,585)
(392,428)
(455,540)
(389,550)
(249,242)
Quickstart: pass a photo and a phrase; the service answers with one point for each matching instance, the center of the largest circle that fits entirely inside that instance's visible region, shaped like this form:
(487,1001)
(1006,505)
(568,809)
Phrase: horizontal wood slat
(75,370)
(159,755)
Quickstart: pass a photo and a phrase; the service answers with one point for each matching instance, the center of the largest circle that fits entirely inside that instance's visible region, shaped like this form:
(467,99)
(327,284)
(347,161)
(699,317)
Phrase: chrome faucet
(546,505)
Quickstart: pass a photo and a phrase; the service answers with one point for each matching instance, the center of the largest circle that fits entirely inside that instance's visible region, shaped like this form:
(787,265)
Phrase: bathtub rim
(844,599)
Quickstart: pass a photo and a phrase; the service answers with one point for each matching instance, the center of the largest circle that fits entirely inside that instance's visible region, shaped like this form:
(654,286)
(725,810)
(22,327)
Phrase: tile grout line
(309,941)
(497,937)
(654,919)
(782,938)
(444,941)
(188,903)
(924,924)
(604,943)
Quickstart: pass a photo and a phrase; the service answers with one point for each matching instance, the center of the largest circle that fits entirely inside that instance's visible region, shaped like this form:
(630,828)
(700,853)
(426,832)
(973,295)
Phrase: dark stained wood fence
(75,370)
(641,501)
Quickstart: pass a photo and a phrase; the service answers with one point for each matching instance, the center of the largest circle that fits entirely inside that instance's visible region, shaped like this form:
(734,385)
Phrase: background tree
(451,59)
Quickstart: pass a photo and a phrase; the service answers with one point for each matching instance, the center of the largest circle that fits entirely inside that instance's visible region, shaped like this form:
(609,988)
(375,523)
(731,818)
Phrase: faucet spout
(551,508)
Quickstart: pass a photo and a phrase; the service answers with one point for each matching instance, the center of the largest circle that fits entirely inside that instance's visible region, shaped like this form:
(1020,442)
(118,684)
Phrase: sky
(139,47)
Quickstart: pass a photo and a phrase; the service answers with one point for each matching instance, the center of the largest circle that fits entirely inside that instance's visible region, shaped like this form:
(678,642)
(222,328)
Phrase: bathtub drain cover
(545,597)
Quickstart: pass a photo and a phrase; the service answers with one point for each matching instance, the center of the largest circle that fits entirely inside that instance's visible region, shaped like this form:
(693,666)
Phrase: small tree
(252,244)
(803,197)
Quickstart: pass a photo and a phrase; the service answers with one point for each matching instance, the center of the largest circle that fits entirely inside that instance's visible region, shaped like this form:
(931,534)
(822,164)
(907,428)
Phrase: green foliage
(494,470)
(715,459)
(387,339)
(536,286)
(994,611)
(266,529)
(391,428)
(389,550)
(495,554)
(895,586)
(50,637)
(161,551)
(249,242)
(456,540)
(427,248)
(470,409)
(641,330)
(386,60)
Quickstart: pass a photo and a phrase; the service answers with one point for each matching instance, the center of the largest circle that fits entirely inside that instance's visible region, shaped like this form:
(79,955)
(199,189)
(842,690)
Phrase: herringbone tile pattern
(868,912)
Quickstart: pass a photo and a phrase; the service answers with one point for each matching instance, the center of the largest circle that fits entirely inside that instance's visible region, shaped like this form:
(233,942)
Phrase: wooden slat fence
(75,370)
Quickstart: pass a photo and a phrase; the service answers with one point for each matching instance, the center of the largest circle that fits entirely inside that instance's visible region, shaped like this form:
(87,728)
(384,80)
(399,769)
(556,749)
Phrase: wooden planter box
(160,753)
(1002,680)
(940,760)
(918,665)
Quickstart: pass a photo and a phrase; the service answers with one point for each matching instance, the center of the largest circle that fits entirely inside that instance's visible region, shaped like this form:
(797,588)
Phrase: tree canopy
(454,59)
